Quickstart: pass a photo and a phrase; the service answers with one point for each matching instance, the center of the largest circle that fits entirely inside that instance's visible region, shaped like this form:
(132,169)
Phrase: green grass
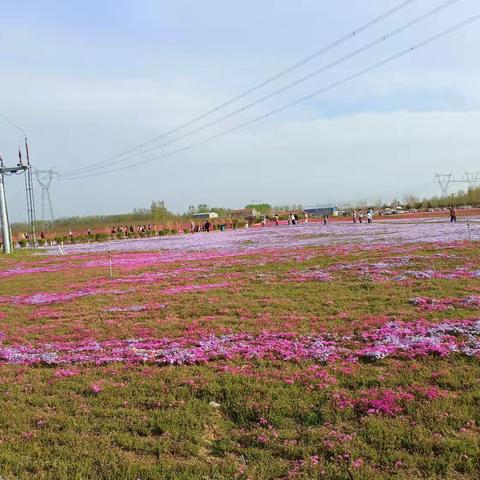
(275,419)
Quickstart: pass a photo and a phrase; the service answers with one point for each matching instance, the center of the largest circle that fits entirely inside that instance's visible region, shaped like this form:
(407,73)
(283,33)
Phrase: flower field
(296,352)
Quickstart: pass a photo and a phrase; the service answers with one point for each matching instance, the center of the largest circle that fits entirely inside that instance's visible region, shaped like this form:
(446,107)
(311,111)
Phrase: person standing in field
(354,216)
(276,220)
(360,217)
(325,219)
(306,217)
(370,216)
(453,214)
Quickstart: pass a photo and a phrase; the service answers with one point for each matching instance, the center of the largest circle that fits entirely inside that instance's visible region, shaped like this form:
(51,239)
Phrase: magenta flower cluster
(46,298)
(394,339)
(440,304)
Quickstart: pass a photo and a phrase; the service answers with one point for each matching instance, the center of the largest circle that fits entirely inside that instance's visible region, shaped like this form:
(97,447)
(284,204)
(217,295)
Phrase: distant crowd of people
(200,227)
(358,216)
(131,229)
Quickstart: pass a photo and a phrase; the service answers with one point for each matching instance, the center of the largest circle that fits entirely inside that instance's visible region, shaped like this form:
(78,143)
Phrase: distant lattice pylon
(472,178)
(443,181)
(45,179)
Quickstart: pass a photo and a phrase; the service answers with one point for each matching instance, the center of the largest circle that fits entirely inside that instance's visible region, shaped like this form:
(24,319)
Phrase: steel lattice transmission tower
(30,196)
(444,181)
(45,179)
(472,179)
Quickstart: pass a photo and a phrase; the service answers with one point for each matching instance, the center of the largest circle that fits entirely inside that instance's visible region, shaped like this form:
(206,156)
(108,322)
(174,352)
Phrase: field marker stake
(110,263)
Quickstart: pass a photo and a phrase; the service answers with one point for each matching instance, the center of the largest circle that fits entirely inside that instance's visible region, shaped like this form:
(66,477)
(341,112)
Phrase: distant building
(321,211)
(205,215)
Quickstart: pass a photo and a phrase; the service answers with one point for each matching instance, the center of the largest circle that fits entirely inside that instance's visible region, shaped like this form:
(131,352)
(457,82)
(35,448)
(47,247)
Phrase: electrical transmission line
(323,90)
(316,72)
(262,84)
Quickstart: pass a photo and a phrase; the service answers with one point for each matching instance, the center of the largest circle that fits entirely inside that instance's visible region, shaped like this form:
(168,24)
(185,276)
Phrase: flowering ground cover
(313,352)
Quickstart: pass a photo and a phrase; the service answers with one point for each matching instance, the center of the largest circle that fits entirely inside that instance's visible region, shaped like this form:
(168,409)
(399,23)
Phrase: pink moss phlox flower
(21,270)
(336,236)
(357,463)
(435,305)
(46,298)
(96,387)
(311,276)
(398,339)
(66,372)
(193,288)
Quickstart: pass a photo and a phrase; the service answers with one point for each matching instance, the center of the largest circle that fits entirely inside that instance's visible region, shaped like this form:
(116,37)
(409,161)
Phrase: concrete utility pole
(7,237)
(7,244)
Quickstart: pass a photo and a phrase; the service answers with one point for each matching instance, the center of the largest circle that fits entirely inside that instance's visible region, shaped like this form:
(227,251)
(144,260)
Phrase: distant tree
(263,208)
(410,201)
(203,208)
(159,211)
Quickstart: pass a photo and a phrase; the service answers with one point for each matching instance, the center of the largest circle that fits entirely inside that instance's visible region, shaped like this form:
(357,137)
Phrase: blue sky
(87,80)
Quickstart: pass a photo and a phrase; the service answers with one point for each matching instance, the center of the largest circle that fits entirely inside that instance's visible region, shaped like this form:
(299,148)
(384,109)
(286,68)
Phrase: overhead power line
(13,124)
(254,103)
(329,87)
(262,84)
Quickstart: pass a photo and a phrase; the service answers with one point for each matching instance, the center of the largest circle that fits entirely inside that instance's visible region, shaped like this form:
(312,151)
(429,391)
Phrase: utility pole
(7,238)
(19,169)
(7,246)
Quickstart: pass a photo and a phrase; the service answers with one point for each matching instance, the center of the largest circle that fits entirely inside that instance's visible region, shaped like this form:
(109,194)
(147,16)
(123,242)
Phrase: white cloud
(84,93)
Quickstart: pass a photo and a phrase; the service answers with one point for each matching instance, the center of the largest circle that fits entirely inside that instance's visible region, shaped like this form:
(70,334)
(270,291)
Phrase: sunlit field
(293,352)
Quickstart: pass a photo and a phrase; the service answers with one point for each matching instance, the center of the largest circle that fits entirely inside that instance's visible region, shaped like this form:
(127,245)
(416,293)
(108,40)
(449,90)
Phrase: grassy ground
(399,417)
